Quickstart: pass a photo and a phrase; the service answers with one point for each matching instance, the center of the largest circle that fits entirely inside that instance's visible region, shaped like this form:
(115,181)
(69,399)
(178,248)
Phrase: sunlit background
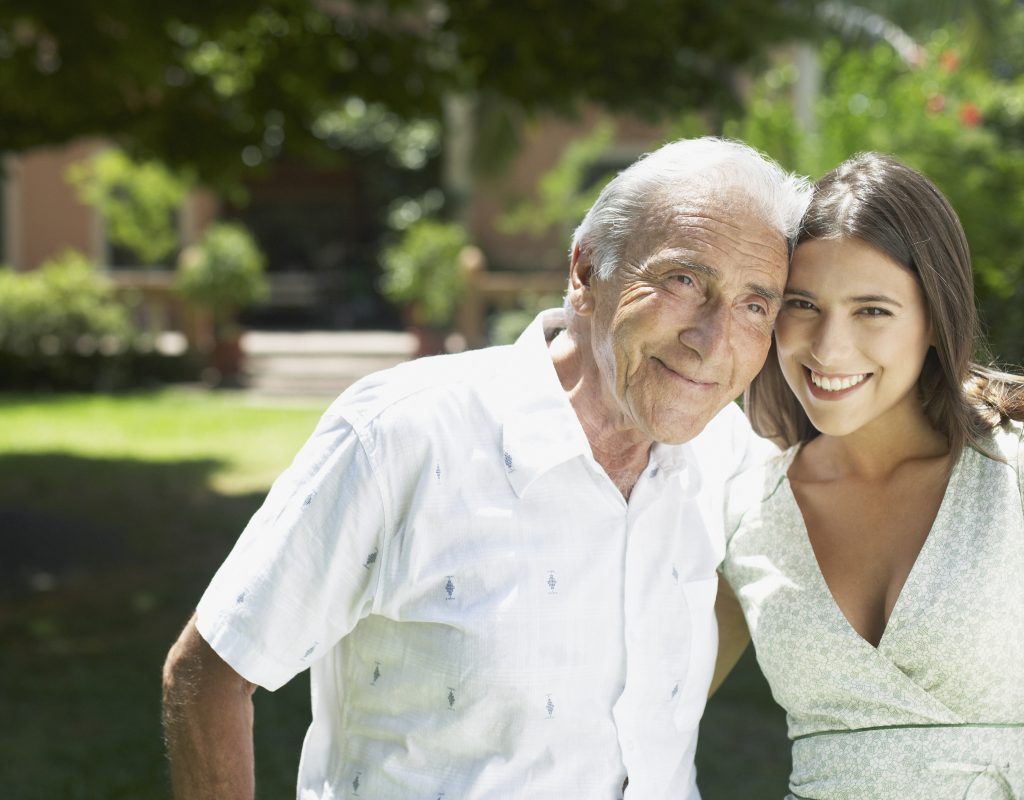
(215,218)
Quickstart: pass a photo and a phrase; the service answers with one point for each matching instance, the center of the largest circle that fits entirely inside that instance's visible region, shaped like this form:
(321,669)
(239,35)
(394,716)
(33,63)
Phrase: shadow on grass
(101,563)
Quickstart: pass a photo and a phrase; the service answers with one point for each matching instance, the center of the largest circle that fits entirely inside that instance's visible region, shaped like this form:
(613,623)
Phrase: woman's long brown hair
(878,200)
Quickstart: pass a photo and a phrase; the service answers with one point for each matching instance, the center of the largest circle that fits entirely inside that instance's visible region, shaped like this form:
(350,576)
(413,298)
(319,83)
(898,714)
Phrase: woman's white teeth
(836,384)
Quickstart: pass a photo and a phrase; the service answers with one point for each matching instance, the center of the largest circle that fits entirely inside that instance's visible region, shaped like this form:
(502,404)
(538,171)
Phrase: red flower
(949,61)
(970,115)
(936,102)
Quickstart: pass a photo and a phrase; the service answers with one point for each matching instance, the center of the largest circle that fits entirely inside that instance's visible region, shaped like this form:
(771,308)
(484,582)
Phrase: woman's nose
(831,341)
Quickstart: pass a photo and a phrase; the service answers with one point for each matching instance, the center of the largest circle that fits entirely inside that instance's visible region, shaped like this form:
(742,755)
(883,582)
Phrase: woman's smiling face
(852,335)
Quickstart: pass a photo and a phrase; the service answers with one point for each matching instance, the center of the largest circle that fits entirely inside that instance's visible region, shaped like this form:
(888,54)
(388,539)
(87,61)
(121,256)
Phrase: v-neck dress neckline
(933,541)
(937,709)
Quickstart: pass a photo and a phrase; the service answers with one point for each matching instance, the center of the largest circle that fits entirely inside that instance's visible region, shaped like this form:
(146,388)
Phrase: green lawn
(114,513)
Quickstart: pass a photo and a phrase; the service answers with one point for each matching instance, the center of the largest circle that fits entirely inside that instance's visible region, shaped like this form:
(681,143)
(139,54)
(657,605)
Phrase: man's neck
(620,449)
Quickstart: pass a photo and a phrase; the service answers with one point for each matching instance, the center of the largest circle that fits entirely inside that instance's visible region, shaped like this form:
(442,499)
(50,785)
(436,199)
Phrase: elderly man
(499,566)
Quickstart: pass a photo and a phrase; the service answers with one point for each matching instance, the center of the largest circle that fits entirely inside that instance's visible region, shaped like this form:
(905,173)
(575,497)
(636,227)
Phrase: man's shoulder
(416,389)
(729,430)
(727,447)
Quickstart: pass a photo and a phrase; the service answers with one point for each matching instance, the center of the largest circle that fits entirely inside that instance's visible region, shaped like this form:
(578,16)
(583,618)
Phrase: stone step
(327,386)
(395,343)
(319,363)
(351,365)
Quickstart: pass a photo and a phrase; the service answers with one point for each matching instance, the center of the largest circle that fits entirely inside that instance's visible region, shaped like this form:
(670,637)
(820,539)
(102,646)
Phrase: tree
(221,87)
(137,202)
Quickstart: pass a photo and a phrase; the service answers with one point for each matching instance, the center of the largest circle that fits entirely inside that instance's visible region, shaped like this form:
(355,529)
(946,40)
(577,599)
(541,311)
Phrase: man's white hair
(704,168)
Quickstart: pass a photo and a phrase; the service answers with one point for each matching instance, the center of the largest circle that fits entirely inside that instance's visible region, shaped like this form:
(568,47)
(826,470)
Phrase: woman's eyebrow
(860,298)
(876,298)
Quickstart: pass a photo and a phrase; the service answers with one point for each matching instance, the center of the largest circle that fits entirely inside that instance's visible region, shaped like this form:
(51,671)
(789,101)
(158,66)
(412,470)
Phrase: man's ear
(581,273)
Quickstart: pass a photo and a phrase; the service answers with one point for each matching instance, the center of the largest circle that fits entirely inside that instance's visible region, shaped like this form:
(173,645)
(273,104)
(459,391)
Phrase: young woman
(881,573)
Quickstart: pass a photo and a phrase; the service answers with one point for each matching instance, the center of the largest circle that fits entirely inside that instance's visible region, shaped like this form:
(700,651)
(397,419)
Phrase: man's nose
(708,335)
(830,343)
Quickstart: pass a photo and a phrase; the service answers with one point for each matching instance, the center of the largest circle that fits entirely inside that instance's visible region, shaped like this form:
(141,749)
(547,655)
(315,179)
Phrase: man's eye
(757,308)
(684,279)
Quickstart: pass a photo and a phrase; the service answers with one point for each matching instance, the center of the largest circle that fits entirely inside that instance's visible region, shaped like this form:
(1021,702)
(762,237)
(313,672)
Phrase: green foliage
(136,199)
(65,306)
(423,271)
(955,121)
(562,198)
(506,325)
(224,271)
(224,86)
(62,327)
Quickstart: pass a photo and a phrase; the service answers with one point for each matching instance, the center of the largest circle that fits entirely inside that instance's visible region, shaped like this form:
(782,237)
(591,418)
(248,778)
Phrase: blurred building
(321,228)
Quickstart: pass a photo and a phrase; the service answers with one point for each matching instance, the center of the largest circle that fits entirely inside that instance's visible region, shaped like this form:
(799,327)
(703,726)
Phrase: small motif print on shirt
(508,462)
(552,582)
(449,587)
(451,698)
(370,559)
(376,673)
(549,706)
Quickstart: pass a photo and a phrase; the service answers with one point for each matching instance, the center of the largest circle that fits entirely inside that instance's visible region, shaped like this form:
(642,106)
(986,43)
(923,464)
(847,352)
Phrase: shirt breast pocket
(700,601)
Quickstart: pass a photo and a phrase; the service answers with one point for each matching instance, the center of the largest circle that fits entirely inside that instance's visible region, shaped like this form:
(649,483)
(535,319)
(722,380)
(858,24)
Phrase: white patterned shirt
(483,613)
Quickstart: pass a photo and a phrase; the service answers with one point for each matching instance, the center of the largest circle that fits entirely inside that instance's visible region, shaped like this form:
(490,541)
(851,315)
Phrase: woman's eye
(875,311)
(801,305)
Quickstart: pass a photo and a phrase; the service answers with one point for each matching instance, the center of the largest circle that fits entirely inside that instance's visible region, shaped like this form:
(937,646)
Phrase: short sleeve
(744,493)
(306,567)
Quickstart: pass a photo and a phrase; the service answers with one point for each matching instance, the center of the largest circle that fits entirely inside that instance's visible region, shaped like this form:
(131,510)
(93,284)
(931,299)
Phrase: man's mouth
(683,376)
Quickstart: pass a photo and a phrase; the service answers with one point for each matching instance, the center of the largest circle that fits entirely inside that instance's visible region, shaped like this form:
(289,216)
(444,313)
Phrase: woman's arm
(733,635)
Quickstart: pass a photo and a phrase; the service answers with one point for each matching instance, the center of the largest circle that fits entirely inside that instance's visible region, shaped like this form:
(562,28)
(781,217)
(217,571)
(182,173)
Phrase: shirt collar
(540,429)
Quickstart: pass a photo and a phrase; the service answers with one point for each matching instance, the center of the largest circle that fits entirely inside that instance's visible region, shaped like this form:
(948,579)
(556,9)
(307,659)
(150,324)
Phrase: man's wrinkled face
(685,322)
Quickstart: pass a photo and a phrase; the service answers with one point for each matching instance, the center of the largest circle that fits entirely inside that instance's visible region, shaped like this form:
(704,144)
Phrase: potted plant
(423,272)
(223,273)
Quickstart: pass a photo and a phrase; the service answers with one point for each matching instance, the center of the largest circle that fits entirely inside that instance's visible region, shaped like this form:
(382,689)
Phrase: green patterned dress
(937,709)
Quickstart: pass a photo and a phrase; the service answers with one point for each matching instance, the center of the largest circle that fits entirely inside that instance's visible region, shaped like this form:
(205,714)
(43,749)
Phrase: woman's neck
(874,451)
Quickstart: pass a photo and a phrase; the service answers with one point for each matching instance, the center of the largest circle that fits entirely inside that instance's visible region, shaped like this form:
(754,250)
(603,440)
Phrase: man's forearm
(208,722)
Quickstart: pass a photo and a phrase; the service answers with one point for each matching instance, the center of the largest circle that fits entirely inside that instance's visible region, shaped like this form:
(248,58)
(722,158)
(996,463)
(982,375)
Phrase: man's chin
(681,432)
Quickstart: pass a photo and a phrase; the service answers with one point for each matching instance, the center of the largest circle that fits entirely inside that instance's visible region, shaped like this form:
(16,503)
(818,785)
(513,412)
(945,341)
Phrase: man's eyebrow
(694,266)
(771,295)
